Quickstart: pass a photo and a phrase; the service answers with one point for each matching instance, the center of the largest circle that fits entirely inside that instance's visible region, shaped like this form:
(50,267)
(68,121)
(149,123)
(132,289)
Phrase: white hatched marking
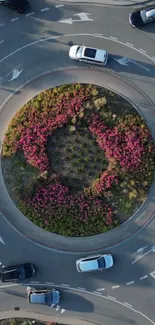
(129,283)
(44,9)
(144,277)
(101,289)
(14,19)
(115,287)
(30,14)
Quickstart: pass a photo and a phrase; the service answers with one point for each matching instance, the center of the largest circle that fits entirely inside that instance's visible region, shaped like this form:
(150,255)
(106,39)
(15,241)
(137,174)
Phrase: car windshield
(48,298)
(21,273)
(101,263)
(79,52)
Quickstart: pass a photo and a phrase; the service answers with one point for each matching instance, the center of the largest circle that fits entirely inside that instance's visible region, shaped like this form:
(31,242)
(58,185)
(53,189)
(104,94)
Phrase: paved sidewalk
(111,2)
(43,317)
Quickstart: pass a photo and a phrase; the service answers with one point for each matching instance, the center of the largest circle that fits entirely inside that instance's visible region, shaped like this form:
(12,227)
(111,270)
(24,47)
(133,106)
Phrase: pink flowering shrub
(127,144)
(105,182)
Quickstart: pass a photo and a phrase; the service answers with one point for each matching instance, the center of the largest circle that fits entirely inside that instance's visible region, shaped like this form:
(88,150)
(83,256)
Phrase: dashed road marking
(1,25)
(125,303)
(80,288)
(44,9)
(101,289)
(142,51)
(1,41)
(115,287)
(10,285)
(144,277)
(50,283)
(96,34)
(59,6)
(153,57)
(65,285)
(97,293)
(34,282)
(30,14)
(114,38)
(129,44)
(111,297)
(14,19)
(129,283)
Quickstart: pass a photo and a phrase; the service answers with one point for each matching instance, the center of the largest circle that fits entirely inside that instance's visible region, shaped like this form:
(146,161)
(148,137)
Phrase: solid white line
(112,297)
(125,303)
(14,19)
(129,283)
(146,317)
(59,6)
(114,38)
(49,283)
(65,285)
(44,9)
(80,288)
(30,14)
(10,285)
(129,44)
(101,289)
(115,287)
(144,277)
(97,293)
(1,24)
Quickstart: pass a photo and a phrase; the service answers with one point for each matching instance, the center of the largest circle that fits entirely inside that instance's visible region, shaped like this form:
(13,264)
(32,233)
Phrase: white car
(88,54)
(94,263)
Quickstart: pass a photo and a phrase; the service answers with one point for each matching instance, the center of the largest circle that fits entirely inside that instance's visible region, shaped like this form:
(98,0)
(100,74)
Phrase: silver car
(45,297)
(94,263)
(88,55)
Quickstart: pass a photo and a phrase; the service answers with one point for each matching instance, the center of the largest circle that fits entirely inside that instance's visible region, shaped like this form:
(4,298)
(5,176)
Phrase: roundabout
(43,64)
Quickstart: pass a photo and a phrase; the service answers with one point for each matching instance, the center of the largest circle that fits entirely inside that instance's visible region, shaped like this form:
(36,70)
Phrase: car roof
(38,298)
(88,265)
(95,54)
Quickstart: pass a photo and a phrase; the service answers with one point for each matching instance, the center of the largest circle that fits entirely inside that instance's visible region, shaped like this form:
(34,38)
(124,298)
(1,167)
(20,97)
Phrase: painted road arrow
(125,61)
(15,74)
(82,15)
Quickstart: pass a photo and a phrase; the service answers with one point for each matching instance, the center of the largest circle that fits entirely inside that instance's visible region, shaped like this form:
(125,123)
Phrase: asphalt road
(33,45)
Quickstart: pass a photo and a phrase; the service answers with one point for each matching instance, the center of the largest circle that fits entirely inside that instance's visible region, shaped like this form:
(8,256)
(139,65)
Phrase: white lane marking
(82,15)
(97,293)
(34,282)
(44,9)
(14,19)
(1,41)
(113,38)
(125,303)
(96,34)
(50,283)
(139,257)
(140,65)
(144,277)
(57,308)
(30,14)
(112,297)
(71,35)
(0,263)
(142,51)
(59,6)
(150,320)
(15,74)
(101,289)
(129,283)
(1,25)
(65,285)
(153,274)
(153,57)
(115,287)
(62,310)
(2,241)
(80,288)
(129,44)
(9,285)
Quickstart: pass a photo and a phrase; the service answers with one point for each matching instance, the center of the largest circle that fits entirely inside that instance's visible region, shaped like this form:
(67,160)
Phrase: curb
(42,317)
(110,3)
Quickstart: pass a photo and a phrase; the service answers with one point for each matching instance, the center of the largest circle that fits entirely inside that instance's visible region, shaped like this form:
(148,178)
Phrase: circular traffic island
(78,160)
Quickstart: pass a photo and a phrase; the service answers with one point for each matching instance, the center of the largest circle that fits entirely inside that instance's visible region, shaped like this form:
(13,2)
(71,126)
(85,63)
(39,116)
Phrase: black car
(17,273)
(142,17)
(19,5)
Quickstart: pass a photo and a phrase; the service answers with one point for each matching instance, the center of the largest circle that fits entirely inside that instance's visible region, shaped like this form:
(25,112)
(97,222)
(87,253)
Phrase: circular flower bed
(78,160)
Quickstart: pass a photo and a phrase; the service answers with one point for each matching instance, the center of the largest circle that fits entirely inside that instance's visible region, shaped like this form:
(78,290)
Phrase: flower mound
(125,160)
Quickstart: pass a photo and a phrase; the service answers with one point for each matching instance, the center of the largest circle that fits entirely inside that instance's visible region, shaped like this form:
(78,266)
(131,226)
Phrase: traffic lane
(101,309)
(53,53)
